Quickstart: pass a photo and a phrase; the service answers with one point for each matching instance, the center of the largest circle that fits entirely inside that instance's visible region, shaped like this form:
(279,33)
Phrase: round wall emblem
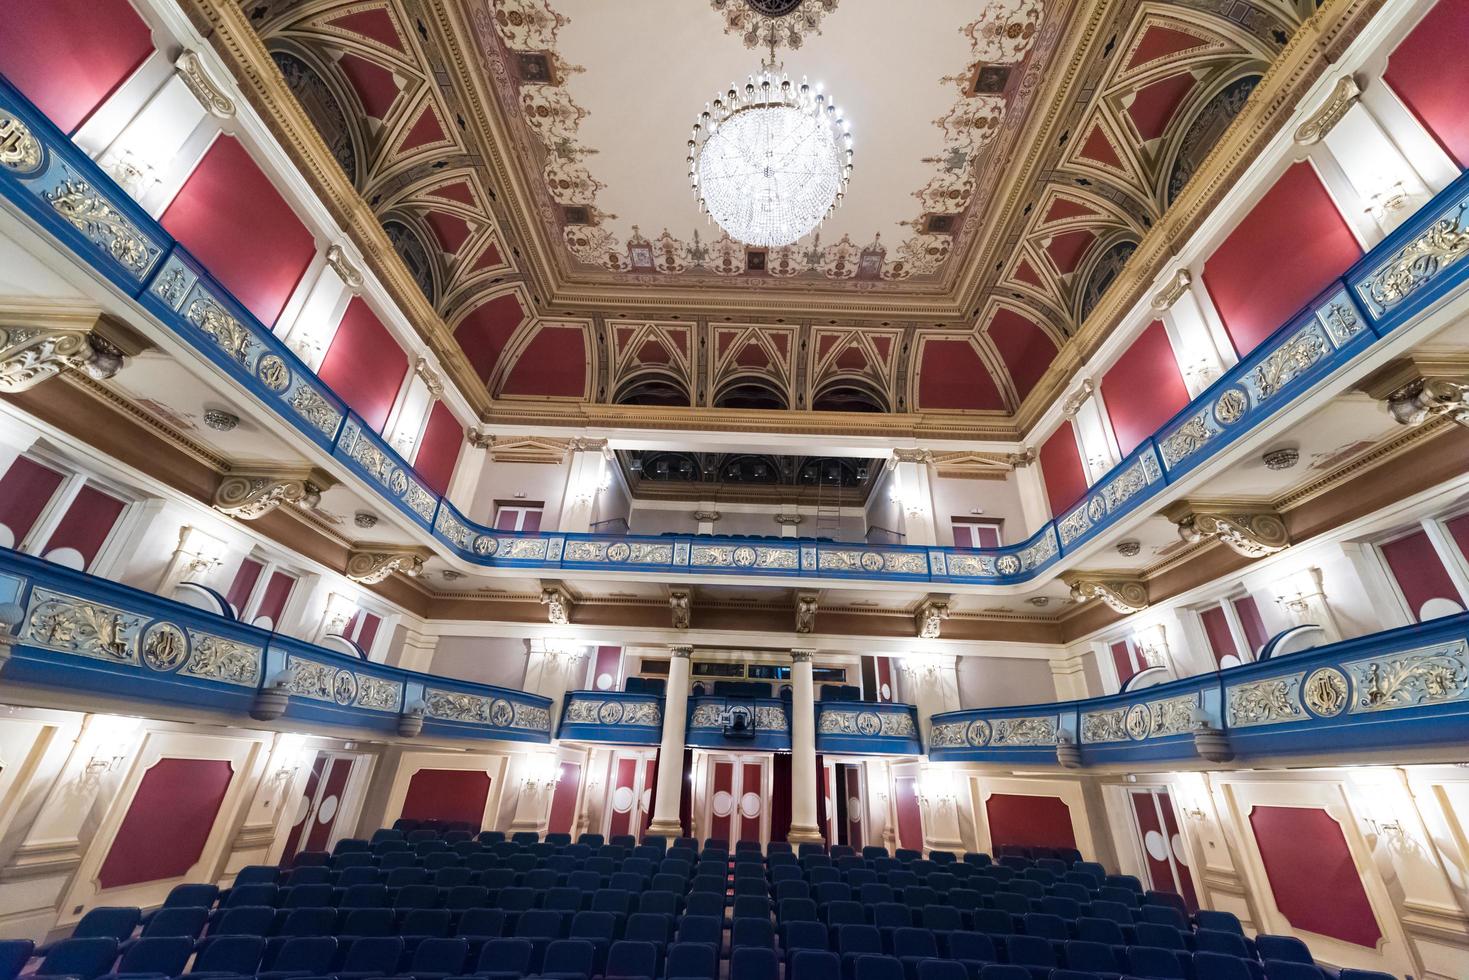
(486,545)
(871,561)
(610,713)
(744,556)
(622,798)
(1231,405)
(20,151)
(750,805)
(344,687)
(273,373)
(1325,692)
(619,552)
(1007,564)
(398,482)
(722,803)
(164,647)
(1138,721)
(978,733)
(1096,509)
(501,714)
(868,723)
(773,8)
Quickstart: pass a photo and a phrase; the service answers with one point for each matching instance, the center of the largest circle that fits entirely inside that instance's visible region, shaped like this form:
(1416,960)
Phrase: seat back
(231,954)
(941,970)
(752,932)
(1220,966)
(811,964)
(1214,941)
(910,941)
(311,955)
(165,955)
(506,956)
(1292,970)
(694,960)
(439,955)
(878,968)
(754,963)
(87,957)
(631,958)
(177,921)
(14,955)
(858,939)
(1151,961)
(569,956)
(1286,948)
(975,947)
(371,953)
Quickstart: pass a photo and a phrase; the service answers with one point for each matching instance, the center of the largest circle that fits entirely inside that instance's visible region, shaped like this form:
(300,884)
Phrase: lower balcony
(732,722)
(612,717)
(867,728)
(1388,694)
(67,632)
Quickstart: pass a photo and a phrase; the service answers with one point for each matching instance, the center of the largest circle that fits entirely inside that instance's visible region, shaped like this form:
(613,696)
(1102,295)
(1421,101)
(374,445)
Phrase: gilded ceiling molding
(372,567)
(1343,96)
(527,449)
(1122,592)
(1250,530)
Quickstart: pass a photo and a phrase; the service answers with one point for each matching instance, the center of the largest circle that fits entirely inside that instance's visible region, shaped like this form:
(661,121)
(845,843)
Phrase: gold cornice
(232,37)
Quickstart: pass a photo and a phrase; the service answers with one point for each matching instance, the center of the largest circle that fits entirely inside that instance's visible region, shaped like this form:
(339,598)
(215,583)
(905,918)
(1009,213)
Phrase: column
(583,483)
(803,752)
(670,750)
(914,491)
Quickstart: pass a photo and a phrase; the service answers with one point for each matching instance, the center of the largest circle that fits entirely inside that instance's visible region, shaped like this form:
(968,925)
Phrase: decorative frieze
(341,686)
(604,711)
(866,723)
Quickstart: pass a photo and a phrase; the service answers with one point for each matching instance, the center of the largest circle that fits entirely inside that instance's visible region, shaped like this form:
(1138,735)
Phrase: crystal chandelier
(768,162)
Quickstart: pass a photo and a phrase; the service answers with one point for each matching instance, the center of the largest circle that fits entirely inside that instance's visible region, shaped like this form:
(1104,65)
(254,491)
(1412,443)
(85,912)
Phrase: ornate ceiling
(526,159)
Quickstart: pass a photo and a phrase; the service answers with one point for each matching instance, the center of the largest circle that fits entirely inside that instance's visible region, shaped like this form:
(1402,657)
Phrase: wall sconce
(339,610)
(99,764)
(1194,813)
(1296,591)
(1391,829)
(1391,197)
(936,789)
(543,772)
(198,551)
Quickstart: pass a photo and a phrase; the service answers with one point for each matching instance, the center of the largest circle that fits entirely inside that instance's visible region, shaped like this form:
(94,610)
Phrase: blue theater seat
(158,956)
(86,958)
(569,959)
(1004,971)
(14,955)
(1097,958)
(754,963)
(1035,953)
(628,959)
(878,968)
(1292,970)
(370,956)
(1220,966)
(810,964)
(301,956)
(1156,964)
(504,959)
(691,961)
(229,955)
(435,959)
(1287,948)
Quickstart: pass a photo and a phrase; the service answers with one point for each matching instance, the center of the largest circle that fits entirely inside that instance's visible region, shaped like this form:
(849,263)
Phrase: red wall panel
(752,801)
(330,807)
(273,602)
(1221,640)
(230,216)
(1178,852)
(25,490)
(365,365)
(168,821)
(563,800)
(1419,572)
(645,799)
(452,795)
(624,797)
(438,451)
(243,584)
(1062,469)
(607,672)
(68,56)
(1251,622)
(910,816)
(86,524)
(1144,388)
(304,810)
(1279,257)
(1429,73)
(722,802)
(1029,821)
(1123,661)
(1316,884)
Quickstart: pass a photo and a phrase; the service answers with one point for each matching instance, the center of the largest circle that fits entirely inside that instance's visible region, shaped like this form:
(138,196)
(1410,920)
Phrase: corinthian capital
(1122,593)
(1252,532)
(371,567)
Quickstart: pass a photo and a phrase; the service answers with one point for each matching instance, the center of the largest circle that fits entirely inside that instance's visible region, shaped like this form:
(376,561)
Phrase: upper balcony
(1389,692)
(67,631)
(61,191)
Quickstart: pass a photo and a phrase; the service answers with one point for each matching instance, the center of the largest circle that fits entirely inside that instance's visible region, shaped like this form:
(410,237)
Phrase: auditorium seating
(438,902)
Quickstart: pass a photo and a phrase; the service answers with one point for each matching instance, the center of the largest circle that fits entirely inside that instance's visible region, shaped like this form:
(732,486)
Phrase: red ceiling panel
(1024,347)
(484,333)
(951,375)
(554,364)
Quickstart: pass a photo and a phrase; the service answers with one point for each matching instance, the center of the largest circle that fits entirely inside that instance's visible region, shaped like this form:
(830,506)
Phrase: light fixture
(770,160)
(1387,828)
(541,772)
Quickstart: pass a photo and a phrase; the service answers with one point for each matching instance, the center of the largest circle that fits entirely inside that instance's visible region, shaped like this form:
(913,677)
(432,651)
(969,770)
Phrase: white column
(194,560)
(583,483)
(16,436)
(310,321)
(665,820)
(1035,506)
(421,391)
(914,490)
(419,644)
(803,752)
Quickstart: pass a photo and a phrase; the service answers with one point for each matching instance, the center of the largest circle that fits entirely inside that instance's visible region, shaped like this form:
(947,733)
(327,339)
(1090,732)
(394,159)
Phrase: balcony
(70,632)
(1390,692)
(735,723)
(867,728)
(612,717)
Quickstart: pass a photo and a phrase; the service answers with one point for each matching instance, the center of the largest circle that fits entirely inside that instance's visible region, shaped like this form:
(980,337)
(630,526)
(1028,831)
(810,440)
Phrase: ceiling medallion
(770,161)
(772,23)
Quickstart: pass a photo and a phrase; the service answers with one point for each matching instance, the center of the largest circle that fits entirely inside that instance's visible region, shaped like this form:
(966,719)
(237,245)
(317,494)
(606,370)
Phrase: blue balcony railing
(1393,691)
(867,728)
(731,722)
(83,633)
(53,183)
(618,717)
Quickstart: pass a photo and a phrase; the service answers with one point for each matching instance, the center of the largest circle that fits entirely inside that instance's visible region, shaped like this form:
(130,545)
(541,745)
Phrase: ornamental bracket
(1251,531)
(39,344)
(928,618)
(190,68)
(371,567)
(1123,593)
(1421,387)
(250,496)
(1343,96)
(558,603)
(678,608)
(806,604)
